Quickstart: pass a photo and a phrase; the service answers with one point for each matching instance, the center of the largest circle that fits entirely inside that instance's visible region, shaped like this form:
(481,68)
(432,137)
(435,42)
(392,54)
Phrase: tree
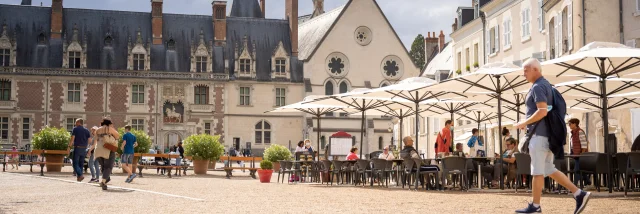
(417,51)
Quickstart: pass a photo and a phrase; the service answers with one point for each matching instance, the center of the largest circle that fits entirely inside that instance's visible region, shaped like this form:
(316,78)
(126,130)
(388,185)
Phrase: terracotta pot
(200,167)
(265,175)
(276,165)
(54,159)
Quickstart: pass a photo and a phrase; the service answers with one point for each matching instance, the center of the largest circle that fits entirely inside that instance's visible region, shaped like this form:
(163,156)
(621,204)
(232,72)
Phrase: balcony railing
(112,73)
(7,104)
(201,108)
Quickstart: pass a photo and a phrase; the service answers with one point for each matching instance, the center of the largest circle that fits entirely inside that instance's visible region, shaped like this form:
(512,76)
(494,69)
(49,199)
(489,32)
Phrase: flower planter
(54,159)
(265,175)
(200,167)
(276,166)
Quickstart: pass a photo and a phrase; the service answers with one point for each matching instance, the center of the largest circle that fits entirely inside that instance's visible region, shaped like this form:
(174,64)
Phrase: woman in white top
(386,154)
(300,147)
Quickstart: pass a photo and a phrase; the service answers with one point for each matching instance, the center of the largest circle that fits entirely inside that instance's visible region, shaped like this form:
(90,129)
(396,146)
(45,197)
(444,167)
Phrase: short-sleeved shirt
(129,139)
(541,91)
(81,135)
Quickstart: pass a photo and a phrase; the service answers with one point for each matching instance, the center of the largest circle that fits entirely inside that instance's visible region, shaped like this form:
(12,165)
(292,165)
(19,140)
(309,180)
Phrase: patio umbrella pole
(500,128)
(362,131)
(518,114)
(318,137)
(605,121)
(417,123)
(452,132)
(400,138)
(478,134)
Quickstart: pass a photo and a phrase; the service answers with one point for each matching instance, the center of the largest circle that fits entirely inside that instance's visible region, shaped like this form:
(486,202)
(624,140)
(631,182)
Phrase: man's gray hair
(405,139)
(534,63)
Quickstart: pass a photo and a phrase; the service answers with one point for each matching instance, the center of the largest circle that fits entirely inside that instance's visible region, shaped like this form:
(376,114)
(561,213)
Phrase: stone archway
(169,139)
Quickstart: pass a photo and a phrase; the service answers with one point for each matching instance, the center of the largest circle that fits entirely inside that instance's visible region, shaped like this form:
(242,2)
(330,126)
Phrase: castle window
(5,90)
(5,55)
(281,66)
(201,64)
(138,62)
(201,95)
(74,59)
(245,66)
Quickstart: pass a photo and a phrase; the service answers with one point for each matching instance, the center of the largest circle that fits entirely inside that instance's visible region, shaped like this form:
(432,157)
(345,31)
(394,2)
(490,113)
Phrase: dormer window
(42,40)
(7,47)
(75,51)
(108,42)
(138,58)
(245,59)
(280,65)
(171,45)
(201,56)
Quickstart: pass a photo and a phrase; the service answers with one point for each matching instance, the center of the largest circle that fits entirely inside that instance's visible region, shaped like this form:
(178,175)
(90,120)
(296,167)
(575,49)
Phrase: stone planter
(54,159)
(200,167)
(265,175)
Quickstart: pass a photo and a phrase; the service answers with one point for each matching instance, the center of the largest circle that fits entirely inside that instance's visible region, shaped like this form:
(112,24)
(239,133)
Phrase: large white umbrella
(317,110)
(600,59)
(590,87)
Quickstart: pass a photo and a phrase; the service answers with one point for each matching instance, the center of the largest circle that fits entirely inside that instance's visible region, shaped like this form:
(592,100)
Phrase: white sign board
(340,146)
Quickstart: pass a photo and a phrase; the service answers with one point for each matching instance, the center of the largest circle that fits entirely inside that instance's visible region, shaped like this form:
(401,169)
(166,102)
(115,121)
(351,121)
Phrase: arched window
(380,144)
(323,143)
(263,132)
(328,90)
(384,85)
(344,88)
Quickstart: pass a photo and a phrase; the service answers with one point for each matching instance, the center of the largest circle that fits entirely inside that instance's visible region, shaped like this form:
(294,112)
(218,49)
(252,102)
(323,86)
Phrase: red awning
(341,134)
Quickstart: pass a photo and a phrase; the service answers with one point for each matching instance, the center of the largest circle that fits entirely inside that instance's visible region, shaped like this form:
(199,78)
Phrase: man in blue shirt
(79,141)
(538,102)
(472,142)
(128,143)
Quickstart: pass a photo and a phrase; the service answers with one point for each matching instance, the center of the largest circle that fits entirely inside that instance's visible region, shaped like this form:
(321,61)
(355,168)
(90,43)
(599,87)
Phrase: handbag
(524,147)
(110,142)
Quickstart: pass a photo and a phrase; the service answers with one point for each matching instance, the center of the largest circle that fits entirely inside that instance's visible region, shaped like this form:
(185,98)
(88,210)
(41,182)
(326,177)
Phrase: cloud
(408,17)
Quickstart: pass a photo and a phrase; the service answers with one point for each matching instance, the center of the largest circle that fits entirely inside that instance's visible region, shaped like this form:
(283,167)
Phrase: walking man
(444,141)
(79,141)
(537,102)
(179,150)
(128,143)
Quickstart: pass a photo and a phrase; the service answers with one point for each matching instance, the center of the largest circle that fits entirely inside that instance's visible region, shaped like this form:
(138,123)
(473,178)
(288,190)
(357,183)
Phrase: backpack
(557,125)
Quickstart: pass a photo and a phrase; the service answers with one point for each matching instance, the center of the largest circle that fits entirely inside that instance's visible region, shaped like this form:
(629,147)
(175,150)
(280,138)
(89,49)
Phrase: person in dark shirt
(180,150)
(79,141)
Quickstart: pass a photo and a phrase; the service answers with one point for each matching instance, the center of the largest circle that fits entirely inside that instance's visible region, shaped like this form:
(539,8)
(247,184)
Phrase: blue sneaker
(530,209)
(128,179)
(134,175)
(581,201)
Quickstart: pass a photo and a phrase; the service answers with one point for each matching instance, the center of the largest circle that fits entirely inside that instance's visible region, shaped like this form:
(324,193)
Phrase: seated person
(386,155)
(458,152)
(409,152)
(352,155)
(491,172)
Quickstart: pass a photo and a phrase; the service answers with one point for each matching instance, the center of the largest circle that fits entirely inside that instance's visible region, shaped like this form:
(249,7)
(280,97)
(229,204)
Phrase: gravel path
(25,192)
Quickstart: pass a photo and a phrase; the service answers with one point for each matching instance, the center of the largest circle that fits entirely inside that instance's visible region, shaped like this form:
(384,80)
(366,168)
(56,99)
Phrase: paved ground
(24,192)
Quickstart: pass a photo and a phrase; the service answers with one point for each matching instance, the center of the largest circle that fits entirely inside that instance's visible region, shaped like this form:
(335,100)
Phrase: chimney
(156,21)
(454,26)
(441,40)
(430,45)
(56,19)
(291,13)
(318,8)
(26,2)
(219,22)
(262,8)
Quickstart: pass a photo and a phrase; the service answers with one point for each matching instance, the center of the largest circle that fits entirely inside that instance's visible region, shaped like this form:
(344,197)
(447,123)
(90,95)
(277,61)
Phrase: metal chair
(379,170)
(362,168)
(426,170)
(593,163)
(407,171)
(621,167)
(325,169)
(337,169)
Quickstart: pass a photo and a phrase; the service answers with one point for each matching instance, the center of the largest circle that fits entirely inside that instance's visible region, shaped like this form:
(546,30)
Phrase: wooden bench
(37,154)
(29,161)
(251,165)
(167,167)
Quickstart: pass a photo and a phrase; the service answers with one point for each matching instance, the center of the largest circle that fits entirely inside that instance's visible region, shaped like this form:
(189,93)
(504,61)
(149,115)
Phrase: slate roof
(28,22)
(246,8)
(443,61)
(311,32)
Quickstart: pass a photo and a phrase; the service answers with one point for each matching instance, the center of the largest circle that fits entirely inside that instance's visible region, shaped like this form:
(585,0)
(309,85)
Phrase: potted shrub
(468,68)
(475,65)
(202,148)
(276,153)
(144,144)
(265,171)
(51,138)
(458,72)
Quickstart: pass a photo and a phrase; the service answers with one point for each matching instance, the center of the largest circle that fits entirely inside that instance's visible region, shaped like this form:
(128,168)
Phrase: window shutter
(487,42)
(497,34)
(522,24)
(555,37)
(570,26)
(631,43)
(560,38)
(540,16)
(504,34)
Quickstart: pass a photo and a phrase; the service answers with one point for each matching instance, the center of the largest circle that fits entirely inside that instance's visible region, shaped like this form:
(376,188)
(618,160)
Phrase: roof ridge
(335,10)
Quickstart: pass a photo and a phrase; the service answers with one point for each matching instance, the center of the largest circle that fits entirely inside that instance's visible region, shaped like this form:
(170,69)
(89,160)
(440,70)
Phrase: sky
(408,17)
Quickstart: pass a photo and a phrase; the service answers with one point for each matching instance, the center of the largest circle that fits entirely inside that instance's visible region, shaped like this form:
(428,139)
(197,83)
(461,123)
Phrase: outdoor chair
(455,166)
(337,171)
(523,167)
(471,171)
(363,168)
(633,168)
(390,170)
(282,170)
(424,173)
(596,164)
(326,170)
(621,167)
(379,171)
(407,171)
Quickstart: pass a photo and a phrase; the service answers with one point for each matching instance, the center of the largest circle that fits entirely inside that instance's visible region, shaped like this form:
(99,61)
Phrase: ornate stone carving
(241,59)
(113,73)
(72,48)
(202,49)
(139,47)
(8,43)
(280,54)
